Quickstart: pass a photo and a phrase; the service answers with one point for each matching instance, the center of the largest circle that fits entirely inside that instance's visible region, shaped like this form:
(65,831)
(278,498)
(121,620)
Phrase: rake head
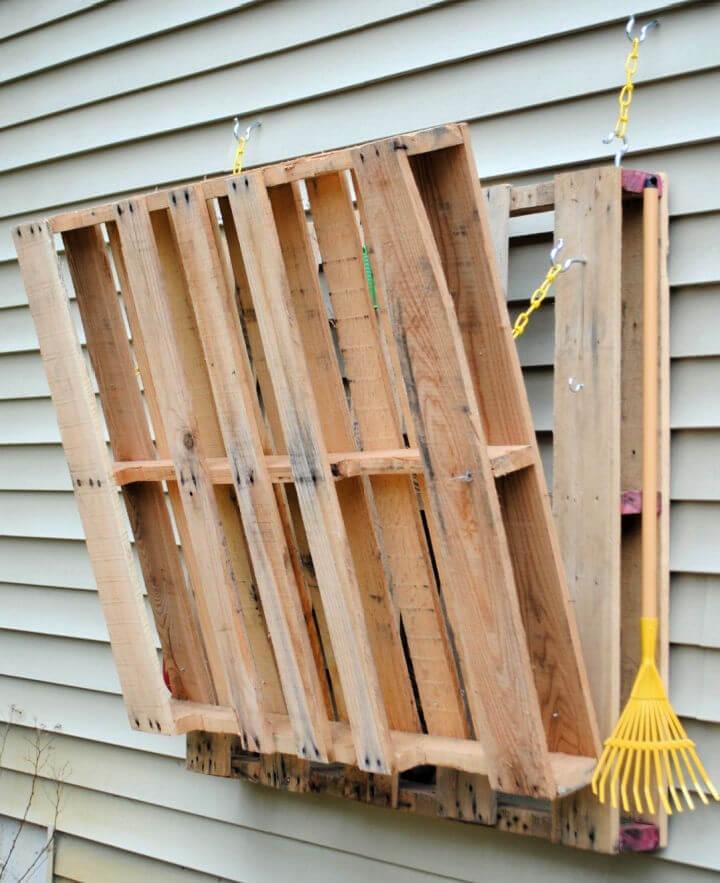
(649,753)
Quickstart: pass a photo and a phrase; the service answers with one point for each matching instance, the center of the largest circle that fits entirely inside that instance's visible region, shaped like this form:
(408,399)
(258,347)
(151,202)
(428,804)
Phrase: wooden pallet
(597,439)
(367,581)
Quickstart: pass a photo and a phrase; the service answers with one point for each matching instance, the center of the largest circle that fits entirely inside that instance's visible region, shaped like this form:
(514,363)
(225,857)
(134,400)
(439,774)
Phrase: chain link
(536,299)
(239,154)
(626,93)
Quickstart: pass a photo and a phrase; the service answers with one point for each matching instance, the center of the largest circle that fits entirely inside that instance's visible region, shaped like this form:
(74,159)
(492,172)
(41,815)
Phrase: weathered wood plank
(453,198)
(475,569)
(119,589)
(229,651)
(499,199)
(503,460)
(109,348)
(588,311)
(409,750)
(332,557)
(232,385)
(357,503)
(377,426)
(287,500)
(277,173)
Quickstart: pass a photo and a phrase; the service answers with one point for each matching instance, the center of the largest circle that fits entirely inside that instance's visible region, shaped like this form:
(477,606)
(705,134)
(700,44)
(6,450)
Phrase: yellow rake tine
(607,760)
(693,753)
(621,733)
(664,736)
(632,758)
(648,768)
(601,771)
(639,757)
(703,775)
(680,734)
(655,732)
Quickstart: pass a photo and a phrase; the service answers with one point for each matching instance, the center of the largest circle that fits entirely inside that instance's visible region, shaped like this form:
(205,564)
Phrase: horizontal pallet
(367,583)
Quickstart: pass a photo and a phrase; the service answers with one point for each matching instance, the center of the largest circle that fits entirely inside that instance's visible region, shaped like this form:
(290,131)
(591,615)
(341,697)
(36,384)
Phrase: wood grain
(119,588)
(322,516)
(475,569)
(233,390)
(170,595)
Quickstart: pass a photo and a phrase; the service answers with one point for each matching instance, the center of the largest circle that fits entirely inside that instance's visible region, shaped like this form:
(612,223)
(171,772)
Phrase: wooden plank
(453,198)
(409,750)
(170,596)
(475,569)
(275,443)
(229,650)
(150,399)
(119,589)
(499,199)
(588,310)
(233,390)
(347,464)
(275,174)
(357,503)
(378,426)
(332,557)
(664,458)
(529,199)
(190,350)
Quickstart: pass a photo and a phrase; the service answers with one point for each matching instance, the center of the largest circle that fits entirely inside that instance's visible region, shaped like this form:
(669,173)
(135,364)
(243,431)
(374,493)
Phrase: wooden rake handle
(651,254)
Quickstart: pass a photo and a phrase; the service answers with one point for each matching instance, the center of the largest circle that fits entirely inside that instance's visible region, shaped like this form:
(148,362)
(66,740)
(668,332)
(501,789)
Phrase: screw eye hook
(557,248)
(575,385)
(622,149)
(248,131)
(630,27)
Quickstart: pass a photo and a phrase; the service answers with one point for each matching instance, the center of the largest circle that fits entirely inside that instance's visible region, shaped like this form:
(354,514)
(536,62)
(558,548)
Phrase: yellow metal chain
(239,154)
(242,141)
(536,299)
(626,93)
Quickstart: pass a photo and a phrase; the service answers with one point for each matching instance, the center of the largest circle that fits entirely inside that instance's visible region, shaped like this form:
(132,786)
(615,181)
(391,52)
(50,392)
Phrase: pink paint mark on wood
(633,180)
(631,502)
(639,837)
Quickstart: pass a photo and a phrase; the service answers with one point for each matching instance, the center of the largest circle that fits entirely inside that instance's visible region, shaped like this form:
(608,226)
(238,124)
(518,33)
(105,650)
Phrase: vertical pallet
(597,450)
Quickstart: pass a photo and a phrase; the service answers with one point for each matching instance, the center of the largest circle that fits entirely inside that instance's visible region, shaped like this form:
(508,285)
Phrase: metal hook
(623,146)
(575,385)
(246,134)
(557,248)
(630,27)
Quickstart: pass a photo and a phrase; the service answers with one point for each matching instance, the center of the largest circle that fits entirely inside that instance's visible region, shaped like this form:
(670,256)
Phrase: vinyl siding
(100,99)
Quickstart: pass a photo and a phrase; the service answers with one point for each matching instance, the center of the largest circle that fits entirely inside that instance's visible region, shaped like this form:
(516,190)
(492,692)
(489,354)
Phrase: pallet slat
(476,572)
(504,459)
(109,349)
(332,557)
(229,651)
(451,193)
(147,701)
(232,385)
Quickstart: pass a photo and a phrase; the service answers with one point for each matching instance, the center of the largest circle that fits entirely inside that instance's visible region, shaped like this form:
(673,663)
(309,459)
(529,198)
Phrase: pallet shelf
(341,517)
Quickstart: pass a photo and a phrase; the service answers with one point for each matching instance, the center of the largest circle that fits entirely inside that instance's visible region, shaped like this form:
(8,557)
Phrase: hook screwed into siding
(242,141)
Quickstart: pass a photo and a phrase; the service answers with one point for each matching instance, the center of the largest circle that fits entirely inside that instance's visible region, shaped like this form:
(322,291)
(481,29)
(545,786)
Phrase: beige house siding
(98,99)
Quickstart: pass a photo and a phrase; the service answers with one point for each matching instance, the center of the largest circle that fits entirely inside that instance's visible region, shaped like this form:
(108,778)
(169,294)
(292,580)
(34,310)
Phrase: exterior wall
(104,98)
